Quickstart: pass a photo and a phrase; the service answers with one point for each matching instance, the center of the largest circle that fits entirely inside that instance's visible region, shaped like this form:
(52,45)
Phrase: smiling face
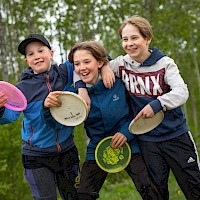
(86,66)
(38,57)
(135,44)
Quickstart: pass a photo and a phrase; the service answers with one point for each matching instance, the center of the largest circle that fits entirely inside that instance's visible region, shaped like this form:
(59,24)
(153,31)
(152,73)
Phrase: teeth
(84,74)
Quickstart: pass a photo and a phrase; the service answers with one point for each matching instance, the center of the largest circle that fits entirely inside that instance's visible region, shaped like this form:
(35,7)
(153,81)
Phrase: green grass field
(125,190)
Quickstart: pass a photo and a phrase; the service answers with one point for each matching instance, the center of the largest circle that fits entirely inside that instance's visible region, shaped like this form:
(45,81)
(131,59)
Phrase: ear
(100,64)
(26,60)
(52,54)
(148,41)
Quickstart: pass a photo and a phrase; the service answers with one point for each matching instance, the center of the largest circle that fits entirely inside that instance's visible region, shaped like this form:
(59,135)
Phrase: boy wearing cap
(49,155)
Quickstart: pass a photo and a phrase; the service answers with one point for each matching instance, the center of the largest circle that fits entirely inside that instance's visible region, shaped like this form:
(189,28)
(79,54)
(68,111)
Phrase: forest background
(176,28)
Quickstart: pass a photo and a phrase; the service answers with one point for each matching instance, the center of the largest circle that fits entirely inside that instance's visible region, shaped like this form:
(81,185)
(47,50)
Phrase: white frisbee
(142,126)
(73,111)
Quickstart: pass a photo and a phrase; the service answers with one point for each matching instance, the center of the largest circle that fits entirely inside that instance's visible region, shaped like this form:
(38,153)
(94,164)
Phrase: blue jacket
(37,137)
(108,115)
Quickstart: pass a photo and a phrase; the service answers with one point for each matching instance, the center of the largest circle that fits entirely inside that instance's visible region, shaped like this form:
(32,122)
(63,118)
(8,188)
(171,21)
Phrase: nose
(129,43)
(82,67)
(36,56)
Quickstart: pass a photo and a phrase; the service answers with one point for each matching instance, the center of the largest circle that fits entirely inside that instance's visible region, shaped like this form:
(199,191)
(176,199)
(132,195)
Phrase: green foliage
(79,138)
(12,183)
(176,28)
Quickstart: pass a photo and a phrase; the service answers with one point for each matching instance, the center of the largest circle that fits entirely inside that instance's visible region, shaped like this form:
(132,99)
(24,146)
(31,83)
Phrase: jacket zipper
(47,82)
(57,134)
(29,139)
(58,145)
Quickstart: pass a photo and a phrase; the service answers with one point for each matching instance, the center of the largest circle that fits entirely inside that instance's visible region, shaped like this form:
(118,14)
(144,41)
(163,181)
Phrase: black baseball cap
(31,38)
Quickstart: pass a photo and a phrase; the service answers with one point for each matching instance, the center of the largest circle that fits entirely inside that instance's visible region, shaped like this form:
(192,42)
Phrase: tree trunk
(79,20)
(18,67)
(30,21)
(194,107)
(195,62)
(3,50)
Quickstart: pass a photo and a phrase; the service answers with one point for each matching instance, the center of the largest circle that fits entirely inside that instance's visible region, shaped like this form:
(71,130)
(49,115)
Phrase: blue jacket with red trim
(37,137)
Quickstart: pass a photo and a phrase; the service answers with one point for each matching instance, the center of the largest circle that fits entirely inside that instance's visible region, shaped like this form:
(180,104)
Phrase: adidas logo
(190,160)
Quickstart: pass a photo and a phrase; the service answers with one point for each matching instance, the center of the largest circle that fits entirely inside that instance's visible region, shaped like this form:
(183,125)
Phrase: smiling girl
(109,116)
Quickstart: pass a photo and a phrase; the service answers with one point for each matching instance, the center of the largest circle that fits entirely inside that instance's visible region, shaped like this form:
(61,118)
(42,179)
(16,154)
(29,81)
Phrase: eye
(76,64)
(30,54)
(134,38)
(124,39)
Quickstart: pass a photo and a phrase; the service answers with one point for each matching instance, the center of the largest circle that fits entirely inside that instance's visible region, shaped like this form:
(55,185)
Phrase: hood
(156,55)
(28,72)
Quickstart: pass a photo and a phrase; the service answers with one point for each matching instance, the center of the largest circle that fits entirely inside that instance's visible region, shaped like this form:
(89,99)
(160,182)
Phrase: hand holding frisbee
(16,100)
(111,159)
(144,125)
(73,110)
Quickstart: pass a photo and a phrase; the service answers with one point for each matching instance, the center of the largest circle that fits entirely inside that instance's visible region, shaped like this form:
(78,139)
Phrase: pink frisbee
(16,99)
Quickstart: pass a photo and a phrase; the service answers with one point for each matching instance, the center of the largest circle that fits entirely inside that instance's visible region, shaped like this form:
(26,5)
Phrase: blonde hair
(96,49)
(141,23)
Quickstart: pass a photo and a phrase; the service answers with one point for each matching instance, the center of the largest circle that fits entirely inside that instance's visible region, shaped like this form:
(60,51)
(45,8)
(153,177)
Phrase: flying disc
(111,159)
(142,126)
(16,99)
(73,111)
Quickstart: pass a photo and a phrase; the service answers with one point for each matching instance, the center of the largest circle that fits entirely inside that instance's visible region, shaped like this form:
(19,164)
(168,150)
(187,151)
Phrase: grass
(125,190)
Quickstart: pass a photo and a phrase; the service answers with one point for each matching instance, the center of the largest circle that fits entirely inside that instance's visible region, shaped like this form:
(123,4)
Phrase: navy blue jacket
(108,115)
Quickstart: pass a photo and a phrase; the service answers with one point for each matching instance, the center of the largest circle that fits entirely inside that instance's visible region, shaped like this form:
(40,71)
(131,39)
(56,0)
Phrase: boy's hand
(118,140)
(84,94)
(146,112)
(52,100)
(107,76)
(3,99)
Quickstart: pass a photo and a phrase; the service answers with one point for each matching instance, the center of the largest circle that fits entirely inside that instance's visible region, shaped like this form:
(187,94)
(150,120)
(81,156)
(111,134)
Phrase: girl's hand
(52,100)
(3,99)
(118,140)
(84,94)
(107,76)
(146,112)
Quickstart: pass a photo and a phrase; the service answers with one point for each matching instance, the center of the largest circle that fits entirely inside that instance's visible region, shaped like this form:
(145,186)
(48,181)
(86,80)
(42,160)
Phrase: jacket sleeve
(178,93)
(2,109)
(8,116)
(124,128)
(114,65)
(78,83)
(49,120)
(70,70)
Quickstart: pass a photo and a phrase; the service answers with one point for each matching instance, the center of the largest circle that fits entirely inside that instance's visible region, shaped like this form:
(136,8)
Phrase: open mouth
(132,49)
(85,73)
